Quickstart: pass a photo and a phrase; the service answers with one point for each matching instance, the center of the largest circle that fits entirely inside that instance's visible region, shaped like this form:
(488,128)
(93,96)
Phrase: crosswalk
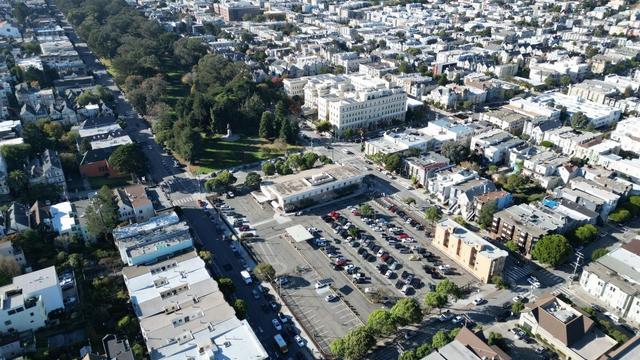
(513,273)
(562,290)
(185,200)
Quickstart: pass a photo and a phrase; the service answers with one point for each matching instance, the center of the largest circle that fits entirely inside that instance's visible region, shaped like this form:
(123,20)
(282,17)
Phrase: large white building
(309,187)
(391,143)
(159,237)
(614,281)
(183,313)
(28,300)
(598,115)
(627,133)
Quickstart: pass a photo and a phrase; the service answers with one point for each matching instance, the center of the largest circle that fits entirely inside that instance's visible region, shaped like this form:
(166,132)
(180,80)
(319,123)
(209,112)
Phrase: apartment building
(594,90)
(236,11)
(505,119)
(296,191)
(133,204)
(568,139)
(425,166)
(469,250)
(598,115)
(28,300)
(525,224)
(494,145)
(159,237)
(442,183)
(627,133)
(591,195)
(613,280)
(568,330)
(183,314)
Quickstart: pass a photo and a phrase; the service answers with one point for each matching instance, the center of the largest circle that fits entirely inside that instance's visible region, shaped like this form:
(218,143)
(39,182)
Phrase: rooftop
(472,239)
(305,180)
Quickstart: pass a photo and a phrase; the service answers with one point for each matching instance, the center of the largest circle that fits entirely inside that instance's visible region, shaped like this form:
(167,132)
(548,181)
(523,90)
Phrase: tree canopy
(407,311)
(433,214)
(265,272)
(585,233)
(455,151)
(129,159)
(102,213)
(381,322)
(551,249)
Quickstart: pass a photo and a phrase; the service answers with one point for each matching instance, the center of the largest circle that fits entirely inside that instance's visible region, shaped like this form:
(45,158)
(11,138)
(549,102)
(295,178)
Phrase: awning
(299,234)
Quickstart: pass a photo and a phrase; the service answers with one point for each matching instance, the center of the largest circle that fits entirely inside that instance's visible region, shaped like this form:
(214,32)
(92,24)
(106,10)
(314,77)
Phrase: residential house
(505,119)
(567,329)
(591,195)
(444,130)
(133,204)
(501,198)
(9,250)
(613,280)
(494,145)
(469,346)
(47,169)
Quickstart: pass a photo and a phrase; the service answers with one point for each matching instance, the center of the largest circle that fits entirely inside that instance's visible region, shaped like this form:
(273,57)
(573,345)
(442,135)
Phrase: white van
(246,277)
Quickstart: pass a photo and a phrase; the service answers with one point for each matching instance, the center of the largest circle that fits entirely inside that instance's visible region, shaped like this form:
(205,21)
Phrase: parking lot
(361,269)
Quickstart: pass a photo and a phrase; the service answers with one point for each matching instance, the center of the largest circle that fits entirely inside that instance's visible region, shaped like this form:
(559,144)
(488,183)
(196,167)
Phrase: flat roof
(305,180)
(298,233)
(470,238)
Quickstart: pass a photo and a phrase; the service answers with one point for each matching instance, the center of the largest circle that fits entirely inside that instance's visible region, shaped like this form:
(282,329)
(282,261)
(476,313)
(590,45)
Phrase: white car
(299,340)
(518,298)
(458,319)
(478,301)
(331,298)
(276,324)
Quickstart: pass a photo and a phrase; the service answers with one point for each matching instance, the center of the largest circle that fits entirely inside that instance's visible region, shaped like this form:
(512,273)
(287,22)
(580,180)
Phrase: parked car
(331,298)
(276,324)
(445,316)
(299,340)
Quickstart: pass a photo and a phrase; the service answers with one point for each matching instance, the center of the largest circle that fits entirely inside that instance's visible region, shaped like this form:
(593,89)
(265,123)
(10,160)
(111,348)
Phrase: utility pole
(576,264)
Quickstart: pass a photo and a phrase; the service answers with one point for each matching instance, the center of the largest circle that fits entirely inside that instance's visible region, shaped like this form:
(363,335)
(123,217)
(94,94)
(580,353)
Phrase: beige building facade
(476,255)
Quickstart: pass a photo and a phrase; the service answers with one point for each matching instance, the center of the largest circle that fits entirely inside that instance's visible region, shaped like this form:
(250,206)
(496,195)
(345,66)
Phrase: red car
(334,215)
(341,262)
(403,236)
(355,212)
(244,228)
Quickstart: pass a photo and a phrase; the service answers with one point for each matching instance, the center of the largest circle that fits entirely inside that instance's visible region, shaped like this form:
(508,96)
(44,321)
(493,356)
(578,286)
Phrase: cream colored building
(469,250)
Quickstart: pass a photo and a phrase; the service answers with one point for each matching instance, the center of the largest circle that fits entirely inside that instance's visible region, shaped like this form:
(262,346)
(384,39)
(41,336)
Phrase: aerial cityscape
(286,179)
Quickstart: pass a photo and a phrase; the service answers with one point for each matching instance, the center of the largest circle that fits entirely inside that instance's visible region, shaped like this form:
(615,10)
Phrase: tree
(15,155)
(448,287)
(240,306)
(565,80)
(409,201)
(546,143)
(267,127)
(585,233)
(393,163)
(511,245)
(432,214)
(455,151)
(440,339)
(309,159)
(435,299)
(620,215)
(357,343)
(551,249)
(460,220)
(598,253)
(499,282)
(485,215)
(206,256)
(129,159)
(18,182)
(264,272)
(408,355)
(381,322)
(366,210)
(517,307)
(226,286)
(494,338)
(221,182)
(407,311)
(189,50)
(102,213)
(287,132)
(75,261)
(323,126)
(515,182)
(253,180)
(579,120)
(268,168)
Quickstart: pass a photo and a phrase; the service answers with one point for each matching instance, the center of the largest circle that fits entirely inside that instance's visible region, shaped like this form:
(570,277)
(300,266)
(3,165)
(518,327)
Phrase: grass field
(175,88)
(218,153)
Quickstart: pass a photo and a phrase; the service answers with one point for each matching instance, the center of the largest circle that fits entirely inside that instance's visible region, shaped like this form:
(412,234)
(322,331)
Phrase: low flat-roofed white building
(160,236)
(64,220)
(627,133)
(311,186)
(391,143)
(443,130)
(183,314)
(598,115)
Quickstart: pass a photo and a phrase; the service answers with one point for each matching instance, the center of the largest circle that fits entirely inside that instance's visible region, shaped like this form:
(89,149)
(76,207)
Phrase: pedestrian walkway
(563,290)
(513,273)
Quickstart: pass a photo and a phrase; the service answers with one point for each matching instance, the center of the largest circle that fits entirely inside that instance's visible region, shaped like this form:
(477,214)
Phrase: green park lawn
(218,153)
